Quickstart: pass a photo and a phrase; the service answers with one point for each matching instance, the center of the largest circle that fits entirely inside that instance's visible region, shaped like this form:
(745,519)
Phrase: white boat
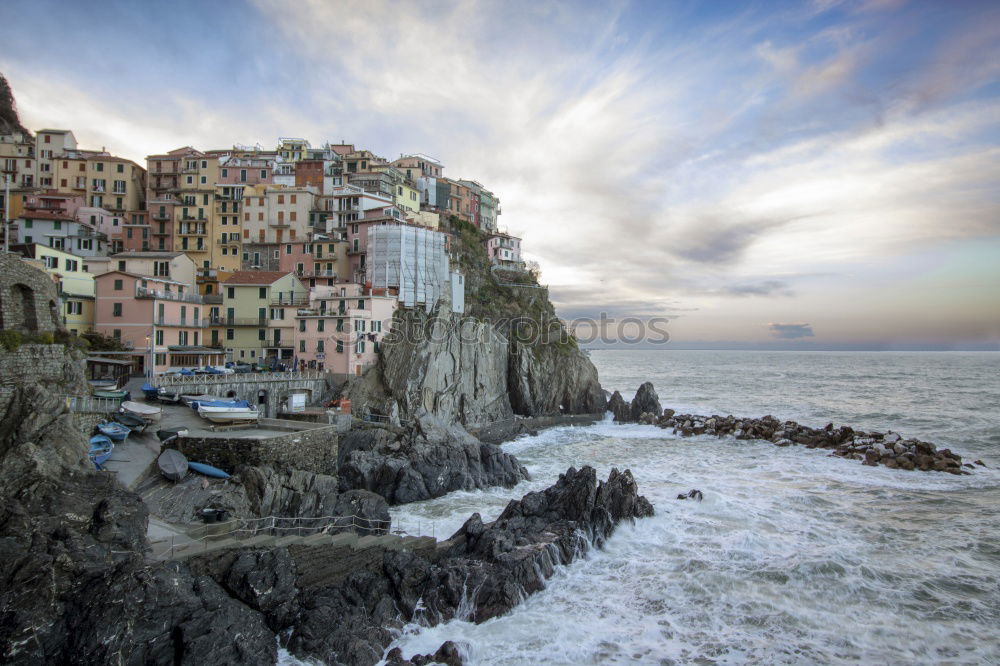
(148,413)
(188,399)
(229,414)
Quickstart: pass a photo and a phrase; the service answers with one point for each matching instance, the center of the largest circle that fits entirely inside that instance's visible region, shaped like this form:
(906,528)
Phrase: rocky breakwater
(872,448)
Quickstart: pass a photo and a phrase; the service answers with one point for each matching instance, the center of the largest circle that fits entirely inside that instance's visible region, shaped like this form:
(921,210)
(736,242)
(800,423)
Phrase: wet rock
(694,494)
(618,407)
(645,400)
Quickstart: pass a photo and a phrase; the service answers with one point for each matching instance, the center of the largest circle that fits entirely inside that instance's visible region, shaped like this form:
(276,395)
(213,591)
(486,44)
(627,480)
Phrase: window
(359,347)
(361,304)
(288,249)
(340,346)
(281,198)
(159,337)
(119,285)
(71,265)
(230,292)
(74,308)
(291,199)
(263,174)
(261,334)
(360,325)
(320,325)
(302,325)
(230,334)
(121,265)
(117,334)
(262,292)
(117,311)
(302,346)
(320,346)
(225,173)
(98,166)
(121,168)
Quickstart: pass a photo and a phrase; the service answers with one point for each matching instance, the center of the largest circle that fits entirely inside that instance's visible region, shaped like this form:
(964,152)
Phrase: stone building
(28,297)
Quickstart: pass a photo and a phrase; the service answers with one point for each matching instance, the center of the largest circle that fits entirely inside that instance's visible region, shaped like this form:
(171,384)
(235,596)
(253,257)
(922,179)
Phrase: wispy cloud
(790,331)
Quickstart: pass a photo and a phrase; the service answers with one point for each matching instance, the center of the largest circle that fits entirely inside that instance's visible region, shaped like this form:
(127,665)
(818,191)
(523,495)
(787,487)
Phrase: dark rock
(645,400)
(694,494)
(619,408)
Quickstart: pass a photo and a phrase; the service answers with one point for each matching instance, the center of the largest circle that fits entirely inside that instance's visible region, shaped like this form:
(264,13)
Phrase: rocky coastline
(872,448)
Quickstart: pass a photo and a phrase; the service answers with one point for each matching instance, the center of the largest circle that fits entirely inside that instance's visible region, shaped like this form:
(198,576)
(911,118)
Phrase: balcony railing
(184,322)
(288,299)
(214,299)
(141,292)
(239,321)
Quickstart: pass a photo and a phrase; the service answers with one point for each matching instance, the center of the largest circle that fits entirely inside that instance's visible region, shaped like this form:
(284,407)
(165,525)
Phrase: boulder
(619,408)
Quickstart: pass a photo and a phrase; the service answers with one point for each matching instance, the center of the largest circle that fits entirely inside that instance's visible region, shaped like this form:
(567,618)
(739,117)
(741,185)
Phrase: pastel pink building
(322,262)
(357,237)
(342,328)
(139,310)
(504,249)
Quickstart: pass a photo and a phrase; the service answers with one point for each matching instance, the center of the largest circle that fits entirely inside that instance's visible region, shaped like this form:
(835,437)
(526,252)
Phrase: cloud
(764,288)
(790,331)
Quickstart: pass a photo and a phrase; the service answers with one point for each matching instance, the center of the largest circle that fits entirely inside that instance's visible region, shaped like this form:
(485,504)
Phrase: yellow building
(75,284)
(276,213)
(113,183)
(406,196)
(194,216)
(258,315)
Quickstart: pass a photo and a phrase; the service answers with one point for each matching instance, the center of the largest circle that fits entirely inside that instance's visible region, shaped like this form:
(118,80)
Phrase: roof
(110,361)
(53,131)
(145,255)
(256,277)
(137,276)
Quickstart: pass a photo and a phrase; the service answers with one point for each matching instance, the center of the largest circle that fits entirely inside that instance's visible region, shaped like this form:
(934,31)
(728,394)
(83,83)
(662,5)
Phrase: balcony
(188,231)
(275,344)
(212,299)
(238,321)
(319,274)
(141,292)
(290,299)
(182,323)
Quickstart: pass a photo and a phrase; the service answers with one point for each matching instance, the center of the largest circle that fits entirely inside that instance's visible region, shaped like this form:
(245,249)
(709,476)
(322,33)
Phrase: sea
(794,556)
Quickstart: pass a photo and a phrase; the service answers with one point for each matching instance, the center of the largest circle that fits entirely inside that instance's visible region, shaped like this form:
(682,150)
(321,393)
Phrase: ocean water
(793,557)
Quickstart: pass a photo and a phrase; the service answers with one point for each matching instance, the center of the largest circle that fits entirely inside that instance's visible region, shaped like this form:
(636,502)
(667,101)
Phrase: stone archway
(262,403)
(25,297)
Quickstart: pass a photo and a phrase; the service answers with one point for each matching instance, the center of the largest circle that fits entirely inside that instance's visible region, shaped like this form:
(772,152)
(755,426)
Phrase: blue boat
(101,448)
(195,404)
(186,372)
(207,470)
(209,370)
(115,431)
(150,391)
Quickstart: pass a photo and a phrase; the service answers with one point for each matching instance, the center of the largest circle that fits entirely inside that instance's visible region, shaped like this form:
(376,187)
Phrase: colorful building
(275,213)
(504,249)
(159,318)
(254,317)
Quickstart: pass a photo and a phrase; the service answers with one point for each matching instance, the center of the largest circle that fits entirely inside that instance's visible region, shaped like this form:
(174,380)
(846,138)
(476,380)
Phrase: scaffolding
(412,260)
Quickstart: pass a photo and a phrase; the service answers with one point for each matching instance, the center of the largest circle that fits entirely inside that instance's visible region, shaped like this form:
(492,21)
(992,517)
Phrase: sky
(819,174)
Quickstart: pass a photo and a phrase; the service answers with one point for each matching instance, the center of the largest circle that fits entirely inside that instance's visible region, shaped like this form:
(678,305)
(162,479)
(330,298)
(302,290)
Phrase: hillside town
(241,258)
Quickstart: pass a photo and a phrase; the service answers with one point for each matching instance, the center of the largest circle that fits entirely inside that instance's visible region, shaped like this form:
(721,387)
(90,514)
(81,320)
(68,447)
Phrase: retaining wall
(311,450)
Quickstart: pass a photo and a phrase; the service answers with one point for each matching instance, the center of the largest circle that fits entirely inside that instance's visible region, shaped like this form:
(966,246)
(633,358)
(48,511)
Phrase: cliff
(10,123)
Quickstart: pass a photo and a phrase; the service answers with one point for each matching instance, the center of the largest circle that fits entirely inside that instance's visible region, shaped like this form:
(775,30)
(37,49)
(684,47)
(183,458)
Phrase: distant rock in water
(620,408)
(873,448)
(645,402)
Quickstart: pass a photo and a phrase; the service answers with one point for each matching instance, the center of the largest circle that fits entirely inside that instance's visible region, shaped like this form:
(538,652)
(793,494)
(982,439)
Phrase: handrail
(287,375)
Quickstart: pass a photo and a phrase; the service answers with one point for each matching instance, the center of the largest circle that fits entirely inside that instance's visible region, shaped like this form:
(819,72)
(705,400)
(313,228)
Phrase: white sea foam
(793,557)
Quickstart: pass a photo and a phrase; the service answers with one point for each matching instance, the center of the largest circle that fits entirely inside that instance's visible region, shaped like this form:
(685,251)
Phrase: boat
(167,395)
(132,422)
(106,384)
(207,470)
(101,448)
(115,431)
(114,395)
(195,404)
(229,414)
(187,399)
(149,413)
(173,464)
(166,434)
(150,391)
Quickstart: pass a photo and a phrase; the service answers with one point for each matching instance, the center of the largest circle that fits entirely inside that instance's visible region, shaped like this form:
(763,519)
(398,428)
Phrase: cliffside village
(291,258)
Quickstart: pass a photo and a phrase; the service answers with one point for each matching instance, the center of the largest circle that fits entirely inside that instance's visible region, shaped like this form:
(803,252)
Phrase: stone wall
(313,450)
(29,301)
(41,363)
(321,562)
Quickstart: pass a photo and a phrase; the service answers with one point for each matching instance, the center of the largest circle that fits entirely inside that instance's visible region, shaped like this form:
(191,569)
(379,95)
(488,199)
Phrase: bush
(10,340)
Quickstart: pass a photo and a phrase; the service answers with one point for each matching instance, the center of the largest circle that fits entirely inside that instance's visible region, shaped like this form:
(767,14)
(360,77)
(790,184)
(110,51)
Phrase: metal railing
(232,533)
(288,375)
(142,292)
(89,404)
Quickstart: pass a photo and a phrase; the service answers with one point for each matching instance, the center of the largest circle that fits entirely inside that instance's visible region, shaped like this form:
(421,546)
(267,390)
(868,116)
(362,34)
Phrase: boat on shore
(172,397)
(101,448)
(113,430)
(150,391)
(207,470)
(167,434)
(173,465)
(187,399)
(195,404)
(229,414)
(104,384)
(149,413)
(120,394)
(132,422)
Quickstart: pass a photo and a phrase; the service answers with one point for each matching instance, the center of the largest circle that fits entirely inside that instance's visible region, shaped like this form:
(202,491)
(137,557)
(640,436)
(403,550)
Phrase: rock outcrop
(423,462)
(619,408)
(645,402)
(552,378)
(482,571)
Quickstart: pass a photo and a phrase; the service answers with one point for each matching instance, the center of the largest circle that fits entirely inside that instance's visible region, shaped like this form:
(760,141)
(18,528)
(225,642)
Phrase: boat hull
(229,414)
(173,465)
(207,470)
(115,431)
(148,413)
